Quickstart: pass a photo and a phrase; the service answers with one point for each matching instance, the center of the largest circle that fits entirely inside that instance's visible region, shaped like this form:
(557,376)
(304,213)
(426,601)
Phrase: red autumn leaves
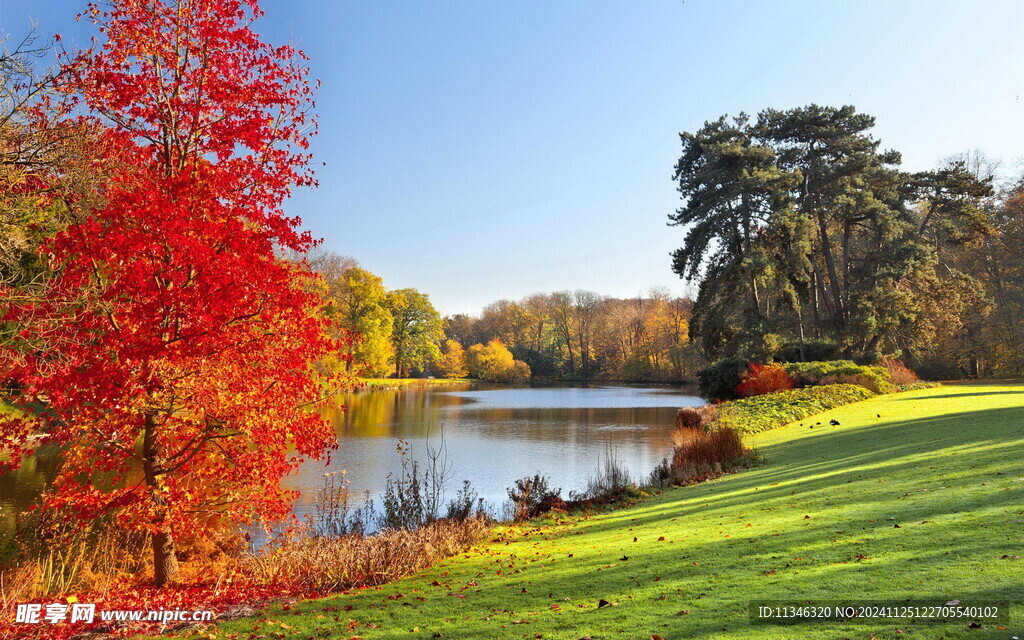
(182,388)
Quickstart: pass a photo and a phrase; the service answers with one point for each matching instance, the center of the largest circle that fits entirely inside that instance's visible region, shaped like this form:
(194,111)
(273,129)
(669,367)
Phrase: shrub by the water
(533,496)
(760,413)
(722,380)
(466,504)
(329,563)
(611,481)
(699,455)
(695,417)
(760,379)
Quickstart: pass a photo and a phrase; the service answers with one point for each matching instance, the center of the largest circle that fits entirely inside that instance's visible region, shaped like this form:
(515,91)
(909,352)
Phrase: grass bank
(819,520)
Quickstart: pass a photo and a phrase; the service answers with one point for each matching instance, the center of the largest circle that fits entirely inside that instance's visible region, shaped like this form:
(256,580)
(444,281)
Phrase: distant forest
(806,241)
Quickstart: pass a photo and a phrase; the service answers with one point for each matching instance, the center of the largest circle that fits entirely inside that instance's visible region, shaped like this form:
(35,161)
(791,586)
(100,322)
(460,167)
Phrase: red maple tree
(184,393)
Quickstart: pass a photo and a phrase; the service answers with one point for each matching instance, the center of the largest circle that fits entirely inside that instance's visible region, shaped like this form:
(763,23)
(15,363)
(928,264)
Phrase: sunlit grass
(818,520)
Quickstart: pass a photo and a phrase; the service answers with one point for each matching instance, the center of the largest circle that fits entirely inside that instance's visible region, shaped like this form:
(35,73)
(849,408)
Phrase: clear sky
(484,150)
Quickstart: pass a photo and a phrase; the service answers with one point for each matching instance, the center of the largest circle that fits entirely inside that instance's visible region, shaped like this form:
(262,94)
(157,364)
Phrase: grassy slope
(946,463)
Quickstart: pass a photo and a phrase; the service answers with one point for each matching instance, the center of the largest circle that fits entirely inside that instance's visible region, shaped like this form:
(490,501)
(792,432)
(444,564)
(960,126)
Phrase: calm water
(493,435)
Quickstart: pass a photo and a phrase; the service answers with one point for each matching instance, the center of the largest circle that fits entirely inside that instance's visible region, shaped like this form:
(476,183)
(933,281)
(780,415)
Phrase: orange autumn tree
(184,394)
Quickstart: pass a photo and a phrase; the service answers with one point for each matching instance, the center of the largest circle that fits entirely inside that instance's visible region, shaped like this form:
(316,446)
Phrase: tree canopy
(181,386)
(799,226)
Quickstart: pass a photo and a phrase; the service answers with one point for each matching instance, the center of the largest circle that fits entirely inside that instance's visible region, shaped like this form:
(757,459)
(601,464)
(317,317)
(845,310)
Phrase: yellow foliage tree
(453,360)
(493,362)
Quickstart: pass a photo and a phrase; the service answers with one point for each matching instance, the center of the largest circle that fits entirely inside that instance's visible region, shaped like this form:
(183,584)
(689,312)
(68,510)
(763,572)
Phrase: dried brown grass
(330,563)
(695,417)
(59,556)
(700,455)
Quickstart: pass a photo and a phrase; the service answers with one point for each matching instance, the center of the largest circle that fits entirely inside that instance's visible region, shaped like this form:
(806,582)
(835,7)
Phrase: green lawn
(818,520)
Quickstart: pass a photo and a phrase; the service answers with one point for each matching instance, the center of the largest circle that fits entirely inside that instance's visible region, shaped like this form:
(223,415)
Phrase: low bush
(813,349)
(466,504)
(699,455)
(611,481)
(335,513)
(760,413)
(533,496)
(719,380)
(920,385)
(809,374)
(760,379)
(900,374)
(732,378)
(695,417)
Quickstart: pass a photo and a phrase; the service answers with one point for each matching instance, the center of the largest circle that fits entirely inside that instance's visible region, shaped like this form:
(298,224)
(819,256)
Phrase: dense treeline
(583,335)
(564,335)
(809,242)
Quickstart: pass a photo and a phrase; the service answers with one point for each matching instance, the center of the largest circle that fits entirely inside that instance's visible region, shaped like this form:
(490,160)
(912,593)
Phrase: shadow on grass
(750,539)
(889,449)
(965,395)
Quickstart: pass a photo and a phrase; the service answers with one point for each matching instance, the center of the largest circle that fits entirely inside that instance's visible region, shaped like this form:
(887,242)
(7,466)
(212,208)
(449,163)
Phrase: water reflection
(496,434)
(493,435)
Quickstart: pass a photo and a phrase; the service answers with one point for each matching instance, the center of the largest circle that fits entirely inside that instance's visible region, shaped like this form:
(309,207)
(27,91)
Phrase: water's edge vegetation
(711,548)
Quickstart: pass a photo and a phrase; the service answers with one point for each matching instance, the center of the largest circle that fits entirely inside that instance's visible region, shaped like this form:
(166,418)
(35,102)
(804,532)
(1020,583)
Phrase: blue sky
(483,150)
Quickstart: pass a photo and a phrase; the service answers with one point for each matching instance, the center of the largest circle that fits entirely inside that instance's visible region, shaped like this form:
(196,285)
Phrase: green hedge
(719,380)
(809,374)
(772,410)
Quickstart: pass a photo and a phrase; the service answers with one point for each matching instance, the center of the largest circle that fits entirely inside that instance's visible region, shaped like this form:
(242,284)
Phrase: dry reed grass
(701,454)
(330,563)
(58,556)
(695,417)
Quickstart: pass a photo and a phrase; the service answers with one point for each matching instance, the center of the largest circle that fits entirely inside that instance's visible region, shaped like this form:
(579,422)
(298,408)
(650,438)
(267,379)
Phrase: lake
(492,434)
(496,434)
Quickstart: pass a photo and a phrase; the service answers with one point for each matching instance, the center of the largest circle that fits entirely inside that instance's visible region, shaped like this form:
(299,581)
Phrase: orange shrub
(899,373)
(763,378)
(700,455)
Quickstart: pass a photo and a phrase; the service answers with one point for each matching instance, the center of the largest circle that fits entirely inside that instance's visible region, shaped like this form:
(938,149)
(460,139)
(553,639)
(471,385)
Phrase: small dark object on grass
(623,558)
(974,625)
(896,526)
(834,422)
(878,415)
(602,603)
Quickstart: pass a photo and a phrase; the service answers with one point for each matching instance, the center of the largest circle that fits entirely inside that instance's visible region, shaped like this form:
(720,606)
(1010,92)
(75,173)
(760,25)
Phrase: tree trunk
(815,316)
(800,319)
(165,559)
(830,264)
